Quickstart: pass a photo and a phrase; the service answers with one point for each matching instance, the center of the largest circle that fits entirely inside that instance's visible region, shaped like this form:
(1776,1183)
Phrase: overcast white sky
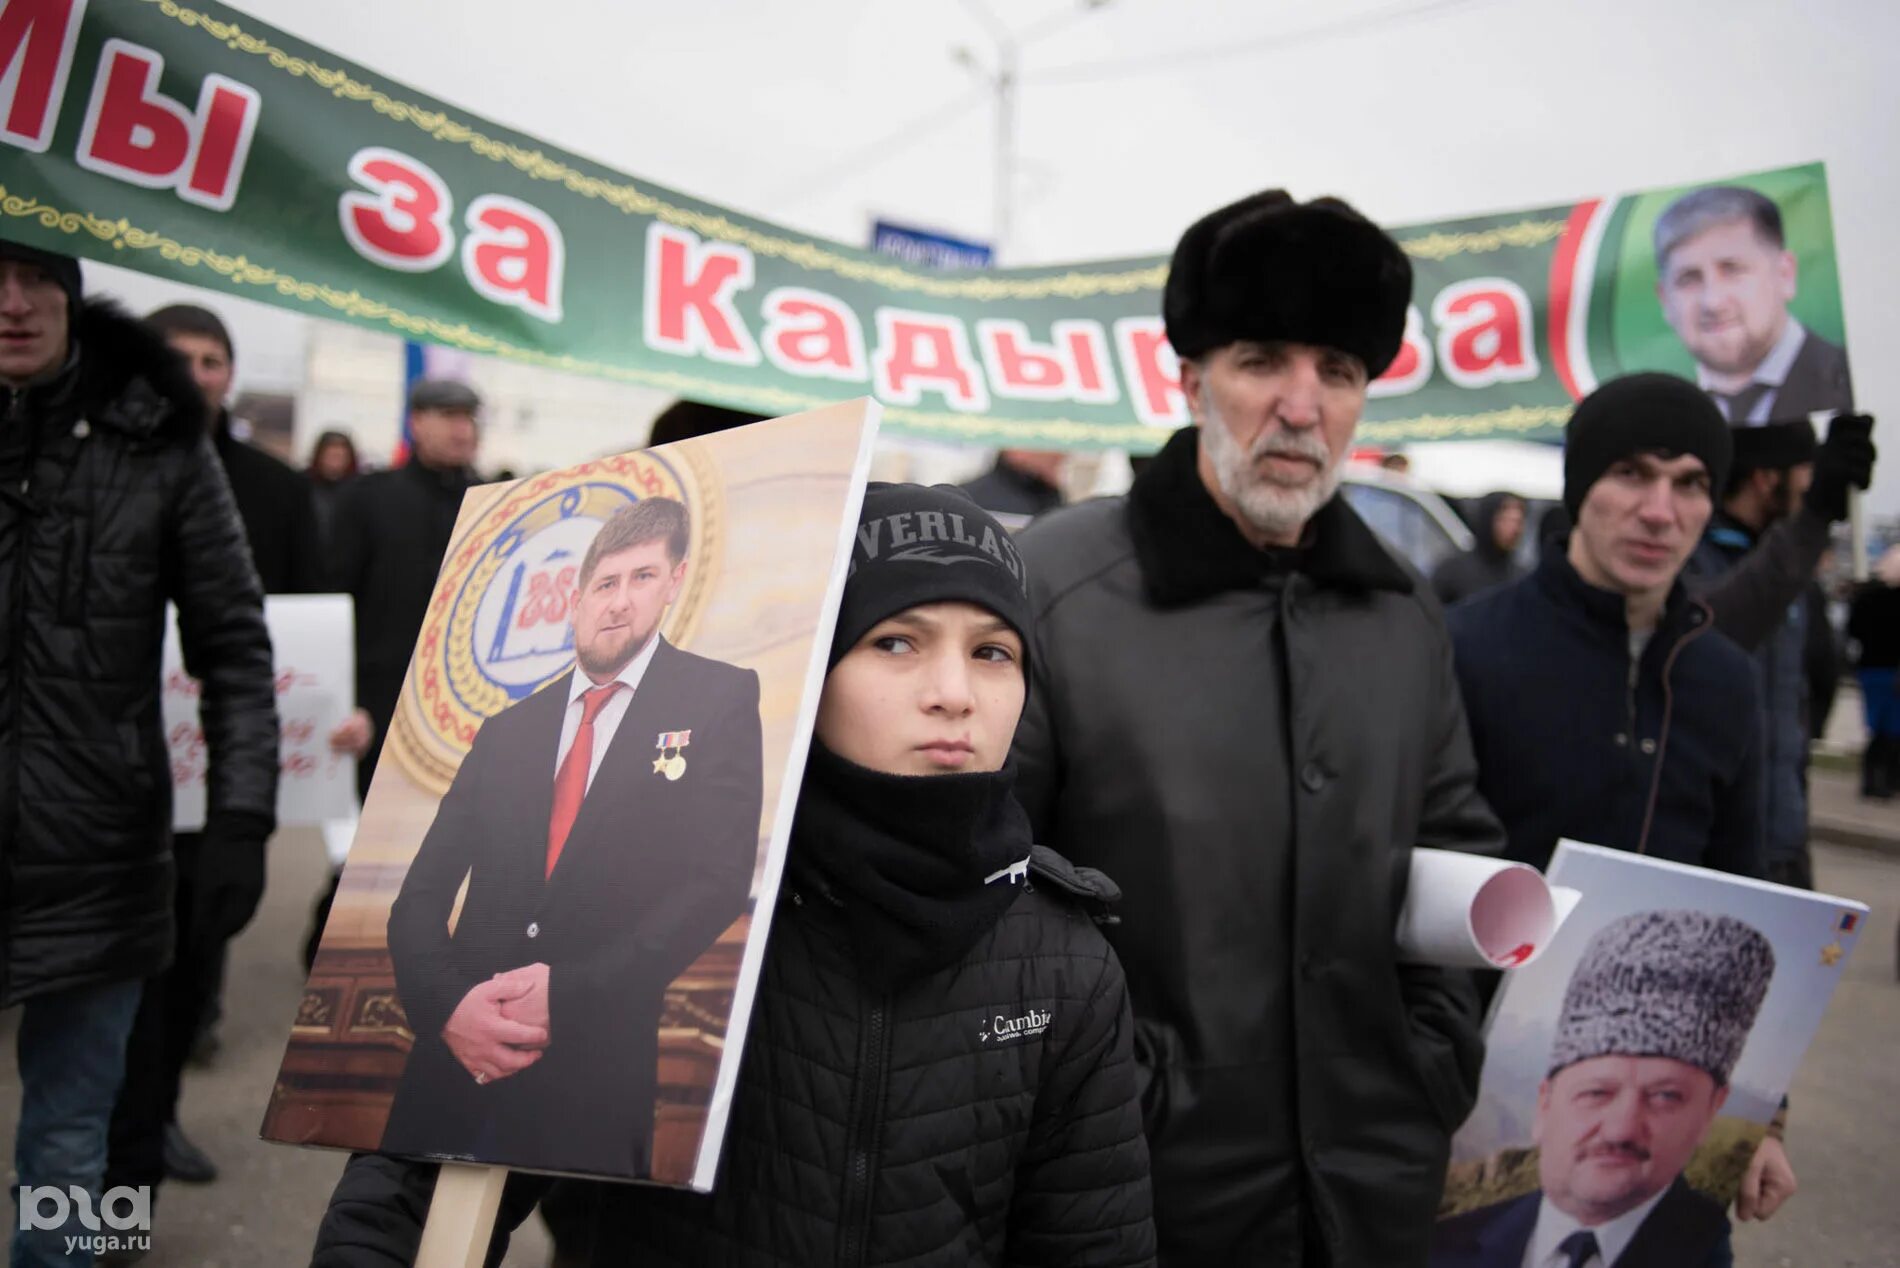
(1135,118)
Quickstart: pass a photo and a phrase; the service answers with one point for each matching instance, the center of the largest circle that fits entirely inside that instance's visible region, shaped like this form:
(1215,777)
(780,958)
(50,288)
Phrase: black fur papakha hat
(1271,269)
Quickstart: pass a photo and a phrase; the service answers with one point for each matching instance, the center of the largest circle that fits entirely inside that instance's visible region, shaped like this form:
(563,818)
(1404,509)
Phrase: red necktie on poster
(570,784)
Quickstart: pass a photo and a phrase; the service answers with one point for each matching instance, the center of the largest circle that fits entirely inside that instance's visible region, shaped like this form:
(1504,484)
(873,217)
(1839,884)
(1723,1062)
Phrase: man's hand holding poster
(547,937)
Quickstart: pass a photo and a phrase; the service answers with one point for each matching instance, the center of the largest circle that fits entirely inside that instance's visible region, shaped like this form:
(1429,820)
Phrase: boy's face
(933,690)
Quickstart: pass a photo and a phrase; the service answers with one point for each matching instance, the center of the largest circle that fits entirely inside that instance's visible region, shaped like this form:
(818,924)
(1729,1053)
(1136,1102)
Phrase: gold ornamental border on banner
(630,199)
(450,689)
(241,270)
(1516,420)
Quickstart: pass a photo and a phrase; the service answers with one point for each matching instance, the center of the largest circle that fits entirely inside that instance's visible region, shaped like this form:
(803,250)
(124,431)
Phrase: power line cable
(1091,72)
(871,154)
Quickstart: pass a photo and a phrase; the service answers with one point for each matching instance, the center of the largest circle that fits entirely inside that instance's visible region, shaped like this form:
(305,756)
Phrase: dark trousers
(174,1004)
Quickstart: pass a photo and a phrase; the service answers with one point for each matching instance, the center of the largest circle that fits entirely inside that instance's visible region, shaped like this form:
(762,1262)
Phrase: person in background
(112,505)
(1771,472)
(1873,622)
(333,464)
(1020,486)
(1499,527)
(877,1118)
(180,1007)
(1604,706)
(387,541)
(684,419)
(1396,463)
(1243,708)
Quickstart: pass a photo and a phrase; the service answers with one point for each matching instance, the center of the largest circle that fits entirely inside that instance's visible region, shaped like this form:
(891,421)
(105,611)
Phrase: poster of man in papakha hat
(1632,1070)
(544,946)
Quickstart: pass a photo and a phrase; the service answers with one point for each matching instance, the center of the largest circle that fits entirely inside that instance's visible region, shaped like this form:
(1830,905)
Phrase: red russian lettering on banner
(227,120)
(402,222)
(689,289)
(1018,366)
(1484,332)
(37,38)
(1087,343)
(813,335)
(1152,371)
(133,131)
(1069,368)
(919,352)
(1412,367)
(137,134)
(514,255)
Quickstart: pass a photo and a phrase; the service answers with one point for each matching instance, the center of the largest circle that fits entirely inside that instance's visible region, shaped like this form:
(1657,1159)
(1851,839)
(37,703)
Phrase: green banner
(197,144)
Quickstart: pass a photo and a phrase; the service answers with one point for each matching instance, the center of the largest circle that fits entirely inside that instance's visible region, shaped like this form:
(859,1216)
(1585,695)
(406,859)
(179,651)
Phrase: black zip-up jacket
(112,504)
(279,508)
(388,538)
(1662,757)
(982,1115)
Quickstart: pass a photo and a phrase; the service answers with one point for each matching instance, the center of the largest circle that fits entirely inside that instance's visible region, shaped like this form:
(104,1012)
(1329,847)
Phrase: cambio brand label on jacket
(1003,1028)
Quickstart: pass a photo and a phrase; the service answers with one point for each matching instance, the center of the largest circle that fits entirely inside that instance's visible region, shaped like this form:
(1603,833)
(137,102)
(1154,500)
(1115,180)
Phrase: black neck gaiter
(921,865)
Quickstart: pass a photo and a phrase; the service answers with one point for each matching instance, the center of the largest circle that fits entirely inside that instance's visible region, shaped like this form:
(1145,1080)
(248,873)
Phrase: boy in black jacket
(940,1067)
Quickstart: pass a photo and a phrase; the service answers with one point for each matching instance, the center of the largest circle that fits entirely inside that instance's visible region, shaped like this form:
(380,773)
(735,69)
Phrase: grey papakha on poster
(1681,984)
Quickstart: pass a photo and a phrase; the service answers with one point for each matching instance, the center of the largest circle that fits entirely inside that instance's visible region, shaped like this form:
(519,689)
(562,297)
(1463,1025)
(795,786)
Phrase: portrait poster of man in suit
(536,1017)
(539,953)
(1631,1074)
(1725,276)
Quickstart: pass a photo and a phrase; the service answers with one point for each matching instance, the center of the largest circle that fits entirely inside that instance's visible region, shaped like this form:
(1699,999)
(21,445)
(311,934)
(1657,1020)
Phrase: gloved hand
(1845,459)
(229,882)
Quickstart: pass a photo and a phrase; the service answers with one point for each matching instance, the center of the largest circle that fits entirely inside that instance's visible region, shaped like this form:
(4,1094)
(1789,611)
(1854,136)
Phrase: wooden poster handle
(461,1216)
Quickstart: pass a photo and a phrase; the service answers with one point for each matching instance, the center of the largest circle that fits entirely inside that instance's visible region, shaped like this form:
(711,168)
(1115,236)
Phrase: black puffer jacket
(996,1122)
(114,504)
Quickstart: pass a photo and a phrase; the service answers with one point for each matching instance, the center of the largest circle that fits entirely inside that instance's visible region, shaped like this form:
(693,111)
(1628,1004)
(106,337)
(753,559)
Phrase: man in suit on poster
(607,828)
(1725,277)
(1653,1022)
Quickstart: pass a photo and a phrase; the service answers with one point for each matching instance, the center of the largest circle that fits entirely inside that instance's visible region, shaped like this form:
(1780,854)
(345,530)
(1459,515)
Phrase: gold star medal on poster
(671,762)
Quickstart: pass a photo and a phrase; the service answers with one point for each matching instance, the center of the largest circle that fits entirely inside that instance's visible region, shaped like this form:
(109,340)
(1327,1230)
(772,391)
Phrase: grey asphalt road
(1844,1139)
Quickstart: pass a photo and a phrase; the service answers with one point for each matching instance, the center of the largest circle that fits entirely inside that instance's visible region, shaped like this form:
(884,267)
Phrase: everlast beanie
(918,545)
(1642,413)
(1680,984)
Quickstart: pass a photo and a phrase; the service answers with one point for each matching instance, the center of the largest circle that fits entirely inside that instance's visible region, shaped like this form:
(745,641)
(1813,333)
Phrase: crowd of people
(1211,718)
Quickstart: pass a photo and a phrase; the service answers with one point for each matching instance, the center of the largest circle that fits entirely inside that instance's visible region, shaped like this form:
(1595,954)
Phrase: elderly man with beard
(536,1018)
(1244,710)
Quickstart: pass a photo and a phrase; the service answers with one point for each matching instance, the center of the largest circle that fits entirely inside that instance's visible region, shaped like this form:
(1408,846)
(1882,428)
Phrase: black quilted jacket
(985,1115)
(111,504)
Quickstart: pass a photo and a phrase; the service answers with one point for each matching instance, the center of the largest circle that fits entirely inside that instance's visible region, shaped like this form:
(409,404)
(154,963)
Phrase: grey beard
(1273,510)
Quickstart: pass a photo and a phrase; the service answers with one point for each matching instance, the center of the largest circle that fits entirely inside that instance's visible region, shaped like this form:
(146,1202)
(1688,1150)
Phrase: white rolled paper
(1465,911)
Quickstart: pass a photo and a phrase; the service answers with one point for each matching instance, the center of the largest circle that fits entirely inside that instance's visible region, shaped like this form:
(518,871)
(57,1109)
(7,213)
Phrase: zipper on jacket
(866,1124)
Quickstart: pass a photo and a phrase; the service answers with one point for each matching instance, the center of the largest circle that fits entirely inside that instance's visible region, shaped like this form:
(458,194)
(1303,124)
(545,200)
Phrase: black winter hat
(1271,269)
(64,269)
(1771,446)
(918,545)
(1642,413)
